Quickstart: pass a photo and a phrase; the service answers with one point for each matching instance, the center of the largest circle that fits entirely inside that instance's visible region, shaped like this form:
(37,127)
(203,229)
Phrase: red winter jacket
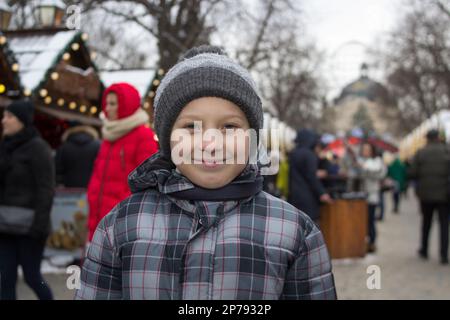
(115,160)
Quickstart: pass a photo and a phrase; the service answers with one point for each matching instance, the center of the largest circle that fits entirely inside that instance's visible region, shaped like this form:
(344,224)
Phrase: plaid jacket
(155,246)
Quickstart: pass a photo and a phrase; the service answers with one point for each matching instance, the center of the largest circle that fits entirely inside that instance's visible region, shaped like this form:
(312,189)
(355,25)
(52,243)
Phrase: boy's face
(210,142)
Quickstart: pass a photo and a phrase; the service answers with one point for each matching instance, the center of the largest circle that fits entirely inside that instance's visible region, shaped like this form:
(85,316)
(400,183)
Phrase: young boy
(197,225)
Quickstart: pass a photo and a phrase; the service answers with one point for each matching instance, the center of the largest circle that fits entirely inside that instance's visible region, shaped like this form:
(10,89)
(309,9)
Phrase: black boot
(423,254)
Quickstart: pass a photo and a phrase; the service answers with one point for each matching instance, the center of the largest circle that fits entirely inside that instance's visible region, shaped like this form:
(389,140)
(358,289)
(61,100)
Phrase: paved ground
(403,274)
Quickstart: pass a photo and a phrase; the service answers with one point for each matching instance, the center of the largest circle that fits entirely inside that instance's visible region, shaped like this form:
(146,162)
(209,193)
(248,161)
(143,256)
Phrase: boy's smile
(209,142)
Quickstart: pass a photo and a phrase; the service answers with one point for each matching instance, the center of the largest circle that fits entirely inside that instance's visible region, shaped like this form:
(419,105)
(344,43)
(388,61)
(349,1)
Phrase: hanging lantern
(50,13)
(5,16)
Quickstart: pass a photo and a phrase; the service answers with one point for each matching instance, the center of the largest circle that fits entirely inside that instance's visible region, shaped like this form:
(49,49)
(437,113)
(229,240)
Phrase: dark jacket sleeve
(44,177)
(309,172)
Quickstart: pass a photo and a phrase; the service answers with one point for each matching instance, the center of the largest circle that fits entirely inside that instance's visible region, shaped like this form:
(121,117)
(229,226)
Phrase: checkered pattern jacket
(155,246)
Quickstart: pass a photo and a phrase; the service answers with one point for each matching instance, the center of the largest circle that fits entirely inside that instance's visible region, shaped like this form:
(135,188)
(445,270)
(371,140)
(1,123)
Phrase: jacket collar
(160,173)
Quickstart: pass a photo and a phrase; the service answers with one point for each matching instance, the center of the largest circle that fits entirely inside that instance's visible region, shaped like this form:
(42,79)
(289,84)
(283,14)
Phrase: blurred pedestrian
(305,189)
(26,189)
(372,171)
(430,170)
(127,142)
(397,172)
(76,156)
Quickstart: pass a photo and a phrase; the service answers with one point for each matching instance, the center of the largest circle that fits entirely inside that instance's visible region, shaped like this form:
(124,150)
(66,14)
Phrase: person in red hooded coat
(127,142)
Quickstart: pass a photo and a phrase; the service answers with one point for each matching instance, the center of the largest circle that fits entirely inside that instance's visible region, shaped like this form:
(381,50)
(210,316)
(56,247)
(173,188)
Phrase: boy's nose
(209,143)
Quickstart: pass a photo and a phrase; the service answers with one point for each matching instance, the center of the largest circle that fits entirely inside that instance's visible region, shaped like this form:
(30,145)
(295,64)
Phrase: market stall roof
(141,79)
(56,69)
(37,51)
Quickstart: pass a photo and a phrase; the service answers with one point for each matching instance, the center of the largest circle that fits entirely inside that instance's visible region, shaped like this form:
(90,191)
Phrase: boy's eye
(191,126)
(231,126)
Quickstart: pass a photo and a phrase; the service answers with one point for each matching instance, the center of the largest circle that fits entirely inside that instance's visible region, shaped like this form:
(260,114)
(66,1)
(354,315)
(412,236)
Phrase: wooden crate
(344,227)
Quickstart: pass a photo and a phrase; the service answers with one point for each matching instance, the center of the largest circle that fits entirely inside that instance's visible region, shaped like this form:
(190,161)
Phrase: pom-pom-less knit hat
(23,110)
(204,71)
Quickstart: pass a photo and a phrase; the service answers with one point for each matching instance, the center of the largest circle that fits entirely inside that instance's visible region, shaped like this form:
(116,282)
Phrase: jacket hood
(306,138)
(127,96)
(80,134)
(160,173)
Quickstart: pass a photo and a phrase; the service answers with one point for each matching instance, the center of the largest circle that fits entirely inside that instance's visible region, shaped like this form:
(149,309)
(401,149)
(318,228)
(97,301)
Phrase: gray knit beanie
(204,71)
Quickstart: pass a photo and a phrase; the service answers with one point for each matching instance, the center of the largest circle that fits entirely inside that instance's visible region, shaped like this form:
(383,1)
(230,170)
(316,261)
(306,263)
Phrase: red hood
(127,96)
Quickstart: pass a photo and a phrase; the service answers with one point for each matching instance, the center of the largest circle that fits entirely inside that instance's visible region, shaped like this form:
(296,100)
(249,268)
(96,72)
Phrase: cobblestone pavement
(403,274)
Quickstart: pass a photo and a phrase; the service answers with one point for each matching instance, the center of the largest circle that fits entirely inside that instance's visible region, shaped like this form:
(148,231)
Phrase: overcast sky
(343,28)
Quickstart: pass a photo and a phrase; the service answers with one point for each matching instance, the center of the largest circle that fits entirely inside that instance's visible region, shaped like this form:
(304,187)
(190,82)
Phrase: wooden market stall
(56,72)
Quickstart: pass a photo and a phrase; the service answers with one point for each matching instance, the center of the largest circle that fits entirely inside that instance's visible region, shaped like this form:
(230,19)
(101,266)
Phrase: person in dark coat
(76,156)
(27,181)
(305,189)
(430,170)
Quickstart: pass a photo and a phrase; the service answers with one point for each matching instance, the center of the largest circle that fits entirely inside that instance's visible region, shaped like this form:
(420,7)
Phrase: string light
(84,36)
(2,88)
(156,82)
(66,56)
(75,46)
(54,76)
(93,109)
(72,105)
(161,72)
(48,100)
(146,105)
(60,102)
(27,92)
(93,55)
(83,108)
(43,93)
(2,40)
(151,94)
(15,67)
